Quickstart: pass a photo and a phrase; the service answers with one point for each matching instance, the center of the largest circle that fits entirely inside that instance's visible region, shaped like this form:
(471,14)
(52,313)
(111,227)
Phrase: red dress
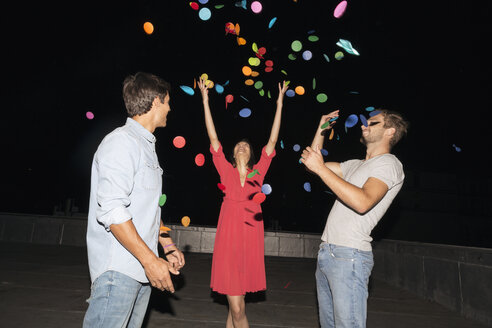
(238,264)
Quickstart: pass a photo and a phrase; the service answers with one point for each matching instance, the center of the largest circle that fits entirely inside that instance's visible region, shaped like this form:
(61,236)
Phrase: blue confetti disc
(363,120)
(307,186)
(266,189)
(204,14)
(351,121)
(245,112)
(187,90)
(296,147)
(307,55)
(370,108)
(324,152)
(272,21)
(290,93)
(219,88)
(374,113)
(282,144)
(203,1)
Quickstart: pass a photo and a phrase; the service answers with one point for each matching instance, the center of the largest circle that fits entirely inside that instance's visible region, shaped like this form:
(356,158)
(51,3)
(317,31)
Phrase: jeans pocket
(342,253)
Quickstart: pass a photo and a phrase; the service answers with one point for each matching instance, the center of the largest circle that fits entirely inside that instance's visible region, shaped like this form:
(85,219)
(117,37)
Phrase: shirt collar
(137,127)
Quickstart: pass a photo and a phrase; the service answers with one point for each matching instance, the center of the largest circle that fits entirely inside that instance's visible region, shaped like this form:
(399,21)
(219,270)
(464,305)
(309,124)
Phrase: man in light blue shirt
(124,214)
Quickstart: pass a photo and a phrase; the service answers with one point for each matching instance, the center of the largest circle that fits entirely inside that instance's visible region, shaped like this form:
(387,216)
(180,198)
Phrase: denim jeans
(342,276)
(116,301)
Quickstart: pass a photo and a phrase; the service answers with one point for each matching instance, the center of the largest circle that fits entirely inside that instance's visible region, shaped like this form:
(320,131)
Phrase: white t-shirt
(346,227)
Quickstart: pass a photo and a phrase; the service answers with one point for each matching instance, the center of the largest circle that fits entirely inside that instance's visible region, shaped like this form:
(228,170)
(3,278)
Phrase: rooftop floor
(46,286)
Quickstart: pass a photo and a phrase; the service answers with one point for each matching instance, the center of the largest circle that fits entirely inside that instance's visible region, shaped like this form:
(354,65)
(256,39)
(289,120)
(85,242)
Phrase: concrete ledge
(456,277)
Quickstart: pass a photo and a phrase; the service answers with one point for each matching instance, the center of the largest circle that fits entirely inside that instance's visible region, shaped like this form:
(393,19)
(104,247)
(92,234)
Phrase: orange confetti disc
(246,70)
(249,82)
(241,41)
(299,90)
(331,134)
(254,73)
(185,221)
(237,28)
(164,229)
(148,28)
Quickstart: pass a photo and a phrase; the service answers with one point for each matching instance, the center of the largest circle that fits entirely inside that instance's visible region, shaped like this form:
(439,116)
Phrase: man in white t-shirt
(364,190)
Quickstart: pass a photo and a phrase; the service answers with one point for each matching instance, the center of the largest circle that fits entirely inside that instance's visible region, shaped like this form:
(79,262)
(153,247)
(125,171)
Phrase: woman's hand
(203,89)
(281,92)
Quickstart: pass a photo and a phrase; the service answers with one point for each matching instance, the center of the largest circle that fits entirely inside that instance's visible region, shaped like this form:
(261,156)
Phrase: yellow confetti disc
(254,73)
(148,28)
(185,221)
(249,82)
(204,76)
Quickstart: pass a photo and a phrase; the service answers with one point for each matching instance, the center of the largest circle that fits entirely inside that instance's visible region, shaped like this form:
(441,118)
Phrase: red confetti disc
(199,159)
(179,142)
(259,198)
(221,186)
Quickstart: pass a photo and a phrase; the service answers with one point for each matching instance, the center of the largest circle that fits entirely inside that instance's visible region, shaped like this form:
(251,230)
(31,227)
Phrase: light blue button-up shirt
(126,183)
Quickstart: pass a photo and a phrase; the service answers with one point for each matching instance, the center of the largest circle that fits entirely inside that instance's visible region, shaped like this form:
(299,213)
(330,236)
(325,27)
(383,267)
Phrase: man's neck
(374,150)
(145,121)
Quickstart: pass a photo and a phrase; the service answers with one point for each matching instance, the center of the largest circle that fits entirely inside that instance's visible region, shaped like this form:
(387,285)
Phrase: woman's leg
(237,310)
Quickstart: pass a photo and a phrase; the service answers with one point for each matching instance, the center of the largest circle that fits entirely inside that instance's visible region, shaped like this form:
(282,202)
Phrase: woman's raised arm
(270,146)
(209,122)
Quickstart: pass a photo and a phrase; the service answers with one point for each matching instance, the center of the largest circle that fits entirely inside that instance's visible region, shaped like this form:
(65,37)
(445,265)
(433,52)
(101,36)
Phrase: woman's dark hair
(252,159)
(140,90)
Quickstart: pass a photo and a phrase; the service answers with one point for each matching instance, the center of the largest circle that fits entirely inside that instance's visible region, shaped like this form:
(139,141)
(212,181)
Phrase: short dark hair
(140,90)
(395,120)
(252,159)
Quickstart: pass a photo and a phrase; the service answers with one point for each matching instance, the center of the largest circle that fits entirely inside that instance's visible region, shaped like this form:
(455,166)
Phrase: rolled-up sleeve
(116,160)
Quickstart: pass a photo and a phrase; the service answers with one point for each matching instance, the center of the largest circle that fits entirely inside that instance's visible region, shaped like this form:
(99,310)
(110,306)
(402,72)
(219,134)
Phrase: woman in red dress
(238,264)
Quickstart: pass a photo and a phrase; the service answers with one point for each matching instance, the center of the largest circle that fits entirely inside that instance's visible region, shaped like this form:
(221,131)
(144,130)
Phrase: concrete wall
(460,278)
(71,231)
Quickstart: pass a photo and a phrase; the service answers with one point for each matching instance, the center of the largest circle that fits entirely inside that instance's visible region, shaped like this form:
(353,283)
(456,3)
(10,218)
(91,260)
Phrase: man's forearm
(352,196)
(127,235)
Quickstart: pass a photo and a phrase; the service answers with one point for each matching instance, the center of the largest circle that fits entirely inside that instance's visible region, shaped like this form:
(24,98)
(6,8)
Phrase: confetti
(185,221)
(162,199)
(188,90)
(148,28)
(204,14)
(307,55)
(89,115)
(259,198)
(266,189)
(340,9)
(245,112)
(253,173)
(347,46)
(296,45)
(351,121)
(321,97)
(296,147)
(199,159)
(272,21)
(256,7)
(221,186)
(307,186)
(363,120)
(179,142)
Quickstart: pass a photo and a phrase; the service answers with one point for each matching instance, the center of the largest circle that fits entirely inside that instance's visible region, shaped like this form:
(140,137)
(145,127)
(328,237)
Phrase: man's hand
(157,272)
(313,159)
(175,257)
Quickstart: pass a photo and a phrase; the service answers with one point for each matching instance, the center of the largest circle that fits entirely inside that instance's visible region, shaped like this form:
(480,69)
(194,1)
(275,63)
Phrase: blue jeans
(342,276)
(116,301)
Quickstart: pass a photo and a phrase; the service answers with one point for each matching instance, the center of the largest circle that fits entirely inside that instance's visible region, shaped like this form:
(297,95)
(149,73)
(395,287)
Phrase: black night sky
(427,60)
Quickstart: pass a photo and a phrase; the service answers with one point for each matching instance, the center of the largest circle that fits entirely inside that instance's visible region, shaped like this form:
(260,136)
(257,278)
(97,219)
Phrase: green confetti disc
(262,92)
(162,199)
(321,97)
(296,45)
(313,38)
(292,57)
(339,55)
(258,85)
